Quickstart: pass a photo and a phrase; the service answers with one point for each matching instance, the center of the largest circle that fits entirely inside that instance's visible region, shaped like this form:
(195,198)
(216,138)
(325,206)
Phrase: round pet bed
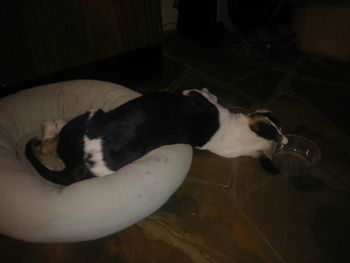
(35,210)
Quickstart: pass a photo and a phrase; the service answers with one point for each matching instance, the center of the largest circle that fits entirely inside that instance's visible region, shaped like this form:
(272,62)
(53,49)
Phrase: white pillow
(36,210)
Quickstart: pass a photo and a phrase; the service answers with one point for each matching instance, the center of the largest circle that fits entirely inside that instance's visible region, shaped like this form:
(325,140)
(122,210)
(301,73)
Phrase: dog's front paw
(267,165)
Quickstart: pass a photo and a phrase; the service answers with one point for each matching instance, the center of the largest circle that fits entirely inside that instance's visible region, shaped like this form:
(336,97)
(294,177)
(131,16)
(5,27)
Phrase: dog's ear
(259,112)
(266,126)
(264,129)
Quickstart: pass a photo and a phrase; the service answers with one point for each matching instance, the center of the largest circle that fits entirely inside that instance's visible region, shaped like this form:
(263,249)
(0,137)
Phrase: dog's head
(265,125)
(239,134)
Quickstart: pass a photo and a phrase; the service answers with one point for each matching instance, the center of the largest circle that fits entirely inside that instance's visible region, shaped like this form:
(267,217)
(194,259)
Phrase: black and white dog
(98,143)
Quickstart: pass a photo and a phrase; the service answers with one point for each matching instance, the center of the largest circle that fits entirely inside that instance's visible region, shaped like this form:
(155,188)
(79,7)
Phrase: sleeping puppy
(98,143)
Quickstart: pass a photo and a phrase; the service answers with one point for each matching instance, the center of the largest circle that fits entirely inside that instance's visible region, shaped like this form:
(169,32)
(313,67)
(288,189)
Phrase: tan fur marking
(253,119)
(49,146)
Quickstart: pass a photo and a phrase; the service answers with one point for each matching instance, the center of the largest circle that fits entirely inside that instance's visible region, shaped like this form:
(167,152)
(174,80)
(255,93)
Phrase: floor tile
(314,69)
(283,214)
(261,85)
(331,99)
(202,222)
(210,168)
(220,63)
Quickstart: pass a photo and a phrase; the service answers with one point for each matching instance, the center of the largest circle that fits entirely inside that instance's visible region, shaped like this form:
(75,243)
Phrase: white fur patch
(92,113)
(93,152)
(234,137)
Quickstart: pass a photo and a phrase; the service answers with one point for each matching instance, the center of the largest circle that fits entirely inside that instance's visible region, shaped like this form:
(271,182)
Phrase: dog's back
(150,121)
(98,143)
(102,142)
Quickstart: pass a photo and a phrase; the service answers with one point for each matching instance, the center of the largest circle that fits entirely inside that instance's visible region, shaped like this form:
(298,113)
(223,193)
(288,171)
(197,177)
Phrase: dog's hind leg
(49,136)
(51,129)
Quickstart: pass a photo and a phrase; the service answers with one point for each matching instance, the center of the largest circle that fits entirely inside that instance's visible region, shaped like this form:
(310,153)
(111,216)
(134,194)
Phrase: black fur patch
(262,125)
(265,130)
(153,120)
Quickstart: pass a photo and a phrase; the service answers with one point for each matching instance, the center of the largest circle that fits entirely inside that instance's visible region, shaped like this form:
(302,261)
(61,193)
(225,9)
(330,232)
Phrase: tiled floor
(232,210)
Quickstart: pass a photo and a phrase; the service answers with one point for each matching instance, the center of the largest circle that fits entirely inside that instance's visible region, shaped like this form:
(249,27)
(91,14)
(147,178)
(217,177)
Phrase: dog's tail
(58,177)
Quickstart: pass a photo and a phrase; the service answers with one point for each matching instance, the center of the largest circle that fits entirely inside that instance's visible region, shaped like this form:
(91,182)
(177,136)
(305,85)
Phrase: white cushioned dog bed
(36,210)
